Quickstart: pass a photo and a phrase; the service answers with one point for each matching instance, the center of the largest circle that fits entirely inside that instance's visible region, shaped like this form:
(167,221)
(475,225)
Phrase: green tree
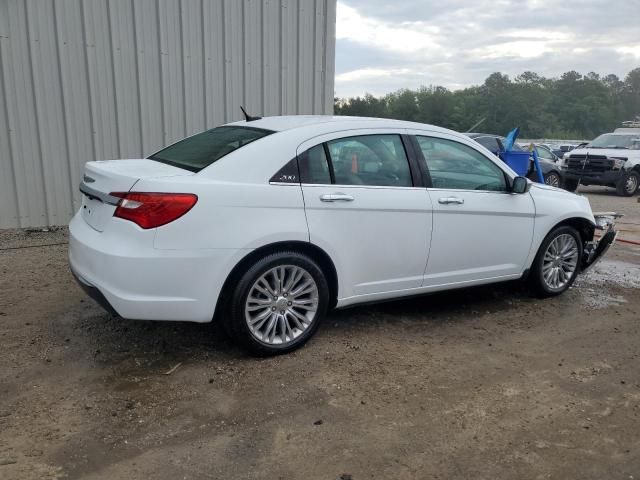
(572,105)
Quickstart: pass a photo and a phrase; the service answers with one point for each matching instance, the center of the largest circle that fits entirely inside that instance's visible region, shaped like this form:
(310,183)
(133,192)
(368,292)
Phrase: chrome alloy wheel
(560,261)
(631,184)
(553,180)
(281,305)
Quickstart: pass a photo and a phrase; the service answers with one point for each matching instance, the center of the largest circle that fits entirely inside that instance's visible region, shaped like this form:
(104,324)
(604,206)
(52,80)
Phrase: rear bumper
(94,293)
(138,282)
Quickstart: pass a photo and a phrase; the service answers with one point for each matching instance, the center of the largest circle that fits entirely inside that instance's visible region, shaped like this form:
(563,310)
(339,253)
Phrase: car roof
(478,135)
(328,123)
(619,132)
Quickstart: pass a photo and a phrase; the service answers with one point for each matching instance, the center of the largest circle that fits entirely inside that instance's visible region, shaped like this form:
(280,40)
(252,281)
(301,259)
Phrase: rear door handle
(336,197)
(449,200)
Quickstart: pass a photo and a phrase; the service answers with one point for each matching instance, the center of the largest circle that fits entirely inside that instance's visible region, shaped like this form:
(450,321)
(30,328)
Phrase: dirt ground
(482,383)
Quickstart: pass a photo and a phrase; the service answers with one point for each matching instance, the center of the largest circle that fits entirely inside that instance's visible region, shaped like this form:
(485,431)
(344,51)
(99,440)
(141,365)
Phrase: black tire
(235,322)
(570,185)
(628,184)
(553,179)
(536,276)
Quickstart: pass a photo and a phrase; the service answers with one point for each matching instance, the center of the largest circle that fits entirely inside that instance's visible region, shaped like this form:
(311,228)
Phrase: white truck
(611,160)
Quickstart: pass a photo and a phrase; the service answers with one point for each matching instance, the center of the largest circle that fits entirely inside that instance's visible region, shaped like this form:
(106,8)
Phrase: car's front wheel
(552,179)
(557,263)
(278,304)
(628,185)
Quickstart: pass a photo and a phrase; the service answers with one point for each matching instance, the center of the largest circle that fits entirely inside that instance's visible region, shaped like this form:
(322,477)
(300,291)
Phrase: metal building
(99,79)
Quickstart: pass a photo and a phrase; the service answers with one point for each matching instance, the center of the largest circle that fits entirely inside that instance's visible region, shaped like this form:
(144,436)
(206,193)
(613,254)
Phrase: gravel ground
(480,383)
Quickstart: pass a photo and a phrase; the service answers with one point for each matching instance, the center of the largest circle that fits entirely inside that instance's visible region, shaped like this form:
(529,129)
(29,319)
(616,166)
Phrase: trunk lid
(106,176)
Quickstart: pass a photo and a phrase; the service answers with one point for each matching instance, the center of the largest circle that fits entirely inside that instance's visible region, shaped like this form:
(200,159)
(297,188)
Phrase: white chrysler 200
(267,223)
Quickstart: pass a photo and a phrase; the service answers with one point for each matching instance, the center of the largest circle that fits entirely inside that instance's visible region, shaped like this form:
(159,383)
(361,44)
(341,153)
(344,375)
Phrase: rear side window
(370,160)
(201,150)
(314,166)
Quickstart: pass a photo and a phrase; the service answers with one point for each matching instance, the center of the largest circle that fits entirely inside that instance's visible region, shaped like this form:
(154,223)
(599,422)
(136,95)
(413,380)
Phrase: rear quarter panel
(232,215)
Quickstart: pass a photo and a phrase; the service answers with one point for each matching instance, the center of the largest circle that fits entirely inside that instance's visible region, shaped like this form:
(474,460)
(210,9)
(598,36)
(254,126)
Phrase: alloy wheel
(281,305)
(553,180)
(560,261)
(631,184)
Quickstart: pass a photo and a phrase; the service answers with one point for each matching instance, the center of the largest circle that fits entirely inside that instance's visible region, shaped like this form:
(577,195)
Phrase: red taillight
(150,210)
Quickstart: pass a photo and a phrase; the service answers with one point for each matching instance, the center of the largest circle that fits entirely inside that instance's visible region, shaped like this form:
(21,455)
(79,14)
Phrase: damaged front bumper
(594,250)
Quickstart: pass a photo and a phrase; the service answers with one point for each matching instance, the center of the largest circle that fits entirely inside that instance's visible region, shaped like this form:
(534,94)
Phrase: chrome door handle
(448,200)
(336,197)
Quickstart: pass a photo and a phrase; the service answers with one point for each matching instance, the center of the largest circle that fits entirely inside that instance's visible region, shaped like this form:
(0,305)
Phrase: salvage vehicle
(611,160)
(551,171)
(267,223)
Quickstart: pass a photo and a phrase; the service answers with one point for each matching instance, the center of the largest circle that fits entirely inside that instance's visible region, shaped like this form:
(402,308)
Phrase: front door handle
(449,200)
(336,197)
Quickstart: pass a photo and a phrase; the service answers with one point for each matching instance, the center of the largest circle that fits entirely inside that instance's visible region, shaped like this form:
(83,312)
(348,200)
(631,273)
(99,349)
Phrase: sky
(385,45)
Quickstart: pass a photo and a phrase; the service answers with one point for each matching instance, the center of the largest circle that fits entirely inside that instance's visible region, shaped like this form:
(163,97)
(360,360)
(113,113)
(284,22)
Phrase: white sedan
(268,223)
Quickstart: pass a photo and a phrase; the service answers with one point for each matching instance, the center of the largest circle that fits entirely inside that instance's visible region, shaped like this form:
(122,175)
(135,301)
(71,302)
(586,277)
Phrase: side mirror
(520,185)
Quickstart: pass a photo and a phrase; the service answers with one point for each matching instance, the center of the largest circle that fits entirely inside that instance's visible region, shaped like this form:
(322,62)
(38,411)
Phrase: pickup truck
(611,160)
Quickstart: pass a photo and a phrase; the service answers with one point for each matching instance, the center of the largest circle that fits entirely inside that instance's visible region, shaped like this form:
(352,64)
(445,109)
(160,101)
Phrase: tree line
(572,106)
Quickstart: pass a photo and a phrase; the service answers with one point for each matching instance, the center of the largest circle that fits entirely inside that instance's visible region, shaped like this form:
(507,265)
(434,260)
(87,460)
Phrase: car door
(364,208)
(480,230)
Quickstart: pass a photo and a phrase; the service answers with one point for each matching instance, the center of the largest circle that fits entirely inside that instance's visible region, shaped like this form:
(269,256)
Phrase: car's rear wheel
(552,179)
(557,263)
(571,185)
(278,304)
(628,185)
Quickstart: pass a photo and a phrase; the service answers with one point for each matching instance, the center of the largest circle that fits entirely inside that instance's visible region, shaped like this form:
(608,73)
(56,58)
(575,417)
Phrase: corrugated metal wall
(99,79)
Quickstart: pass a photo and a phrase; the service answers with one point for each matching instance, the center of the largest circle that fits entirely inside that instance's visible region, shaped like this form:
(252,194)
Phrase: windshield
(201,150)
(609,140)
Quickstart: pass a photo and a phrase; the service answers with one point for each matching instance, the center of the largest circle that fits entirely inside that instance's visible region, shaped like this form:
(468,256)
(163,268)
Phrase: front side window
(453,165)
(201,150)
(544,153)
(370,160)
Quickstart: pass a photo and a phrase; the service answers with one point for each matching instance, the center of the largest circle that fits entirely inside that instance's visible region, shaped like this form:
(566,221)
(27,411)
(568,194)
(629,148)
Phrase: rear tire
(277,304)
(628,184)
(557,263)
(571,185)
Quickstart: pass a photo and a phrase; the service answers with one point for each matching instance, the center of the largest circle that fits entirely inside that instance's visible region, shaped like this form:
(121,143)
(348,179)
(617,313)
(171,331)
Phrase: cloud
(404,37)
(383,46)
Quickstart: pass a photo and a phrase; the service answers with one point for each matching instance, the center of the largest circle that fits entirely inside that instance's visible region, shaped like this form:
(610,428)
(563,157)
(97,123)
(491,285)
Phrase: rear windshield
(201,150)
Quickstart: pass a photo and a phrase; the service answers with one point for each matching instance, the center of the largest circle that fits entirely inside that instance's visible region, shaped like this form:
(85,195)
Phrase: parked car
(612,160)
(560,150)
(551,170)
(550,165)
(264,225)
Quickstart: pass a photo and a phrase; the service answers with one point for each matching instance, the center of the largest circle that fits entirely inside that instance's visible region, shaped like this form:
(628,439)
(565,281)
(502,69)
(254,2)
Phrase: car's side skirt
(396,294)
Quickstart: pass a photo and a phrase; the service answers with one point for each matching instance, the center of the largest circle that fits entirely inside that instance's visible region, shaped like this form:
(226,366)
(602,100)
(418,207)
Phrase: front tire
(628,185)
(571,185)
(557,263)
(552,179)
(277,304)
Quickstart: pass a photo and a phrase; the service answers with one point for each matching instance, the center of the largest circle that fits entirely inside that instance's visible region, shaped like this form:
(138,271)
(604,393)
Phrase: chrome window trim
(437,189)
(293,184)
(342,185)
